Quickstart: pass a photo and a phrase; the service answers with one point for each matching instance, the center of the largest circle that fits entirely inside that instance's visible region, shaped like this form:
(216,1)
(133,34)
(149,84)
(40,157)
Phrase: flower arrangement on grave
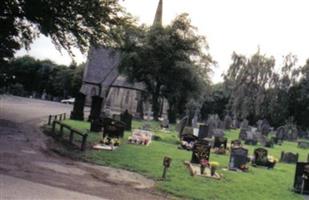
(204,163)
(213,166)
(272,159)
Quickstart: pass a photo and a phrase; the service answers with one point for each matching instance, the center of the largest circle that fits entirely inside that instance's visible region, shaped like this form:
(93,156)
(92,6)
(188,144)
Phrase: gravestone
(301,179)
(113,128)
(251,136)
(212,125)
(265,127)
(181,125)
(266,142)
(238,159)
(218,133)
(244,126)
(289,157)
(235,124)
(228,122)
(220,142)
(261,158)
(126,117)
(164,123)
(203,131)
(303,144)
(201,150)
(259,125)
(221,124)
(281,134)
(236,143)
(195,120)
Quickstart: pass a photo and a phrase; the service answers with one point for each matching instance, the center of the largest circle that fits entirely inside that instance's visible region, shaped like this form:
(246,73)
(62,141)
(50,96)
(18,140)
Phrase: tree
(247,80)
(78,23)
(169,60)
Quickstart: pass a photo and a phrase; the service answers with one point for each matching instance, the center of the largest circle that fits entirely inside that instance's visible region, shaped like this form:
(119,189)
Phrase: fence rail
(72,131)
(58,117)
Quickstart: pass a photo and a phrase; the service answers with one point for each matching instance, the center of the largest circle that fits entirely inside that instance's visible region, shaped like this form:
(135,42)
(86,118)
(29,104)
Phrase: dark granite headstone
(78,108)
(261,158)
(113,128)
(289,157)
(301,180)
(126,117)
(201,150)
(238,159)
(220,142)
(203,131)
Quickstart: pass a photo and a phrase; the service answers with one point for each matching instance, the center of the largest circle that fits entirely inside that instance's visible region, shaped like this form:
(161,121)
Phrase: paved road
(29,170)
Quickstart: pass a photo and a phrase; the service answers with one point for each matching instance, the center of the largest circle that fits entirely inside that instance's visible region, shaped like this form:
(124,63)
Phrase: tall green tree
(247,80)
(171,62)
(78,23)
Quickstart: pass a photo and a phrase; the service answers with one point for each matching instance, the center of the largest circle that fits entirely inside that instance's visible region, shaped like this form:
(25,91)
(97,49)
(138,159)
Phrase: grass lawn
(258,183)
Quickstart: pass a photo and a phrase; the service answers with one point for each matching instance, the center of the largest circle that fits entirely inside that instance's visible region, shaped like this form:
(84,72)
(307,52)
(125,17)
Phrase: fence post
(64,116)
(83,146)
(54,127)
(71,136)
(61,129)
(60,117)
(49,119)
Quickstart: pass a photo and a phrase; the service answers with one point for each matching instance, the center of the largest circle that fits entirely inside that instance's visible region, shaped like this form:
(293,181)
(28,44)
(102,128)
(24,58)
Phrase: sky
(277,27)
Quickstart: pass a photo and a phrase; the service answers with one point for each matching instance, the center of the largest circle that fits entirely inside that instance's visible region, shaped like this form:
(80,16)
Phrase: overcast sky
(278,27)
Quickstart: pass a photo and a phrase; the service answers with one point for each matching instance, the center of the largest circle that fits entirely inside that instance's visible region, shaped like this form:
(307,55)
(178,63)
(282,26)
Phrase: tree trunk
(156,103)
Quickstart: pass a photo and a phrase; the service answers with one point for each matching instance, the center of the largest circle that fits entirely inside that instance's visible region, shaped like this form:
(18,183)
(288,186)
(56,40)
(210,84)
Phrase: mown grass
(258,183)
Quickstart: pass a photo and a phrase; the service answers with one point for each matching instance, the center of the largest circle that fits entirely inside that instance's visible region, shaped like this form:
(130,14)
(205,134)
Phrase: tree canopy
(170,60)
(78,23)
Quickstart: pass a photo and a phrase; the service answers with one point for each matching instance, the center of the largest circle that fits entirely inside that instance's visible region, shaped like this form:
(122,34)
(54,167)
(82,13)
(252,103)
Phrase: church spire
(159,12)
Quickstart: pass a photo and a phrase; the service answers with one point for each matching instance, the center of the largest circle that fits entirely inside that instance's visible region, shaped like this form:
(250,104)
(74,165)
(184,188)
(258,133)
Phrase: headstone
(289,157)
(244,126)
(261,158)
(301,179)
(228,122)
(164,123)
(281,134)
(221,124)
(251,136)
(218,133)
(265,127)
(303,144)
(203,131)
(201,150)
(181,125)
(113,128)
(236,143)
(220,142)
(236,123)
(212,125)
(126,117)
(195,120)
(238,159)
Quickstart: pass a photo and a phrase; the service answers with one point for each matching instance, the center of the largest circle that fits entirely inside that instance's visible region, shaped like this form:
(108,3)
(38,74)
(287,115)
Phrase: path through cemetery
(29,170)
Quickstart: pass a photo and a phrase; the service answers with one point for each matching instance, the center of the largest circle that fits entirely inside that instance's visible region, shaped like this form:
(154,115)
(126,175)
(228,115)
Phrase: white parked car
(68,101)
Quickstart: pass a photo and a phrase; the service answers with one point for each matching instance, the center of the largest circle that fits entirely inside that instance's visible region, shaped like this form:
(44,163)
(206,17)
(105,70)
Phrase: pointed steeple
(158,17)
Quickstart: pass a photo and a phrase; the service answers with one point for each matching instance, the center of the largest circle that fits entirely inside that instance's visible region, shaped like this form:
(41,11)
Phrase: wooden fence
(72,132)
(58,117)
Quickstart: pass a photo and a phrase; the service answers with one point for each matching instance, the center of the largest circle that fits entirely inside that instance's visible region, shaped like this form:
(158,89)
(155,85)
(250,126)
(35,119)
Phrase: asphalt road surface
(29,170)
